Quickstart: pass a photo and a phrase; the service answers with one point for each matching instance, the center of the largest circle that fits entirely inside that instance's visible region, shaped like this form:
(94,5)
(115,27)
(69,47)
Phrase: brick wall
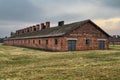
(88,31)
(37,43)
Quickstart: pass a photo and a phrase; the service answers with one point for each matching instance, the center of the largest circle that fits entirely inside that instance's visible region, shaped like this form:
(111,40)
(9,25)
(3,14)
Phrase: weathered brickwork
(80,35)
(88,31)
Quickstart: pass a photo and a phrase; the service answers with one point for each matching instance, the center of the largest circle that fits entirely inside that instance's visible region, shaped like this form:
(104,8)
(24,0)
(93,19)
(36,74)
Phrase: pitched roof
(57,31)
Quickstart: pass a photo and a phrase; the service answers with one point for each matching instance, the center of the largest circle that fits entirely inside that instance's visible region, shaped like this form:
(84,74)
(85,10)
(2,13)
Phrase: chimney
(60,23)
(42,26)
(25,30)
(30,29)
(47,24)
(38,27)
(22,31)
(34,28)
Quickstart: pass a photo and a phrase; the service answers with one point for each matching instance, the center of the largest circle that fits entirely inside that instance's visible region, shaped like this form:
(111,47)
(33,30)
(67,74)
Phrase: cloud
(6,27)
(77,10)
(41,10)
(111,3)
(16,14)
(20,10)
(112,26)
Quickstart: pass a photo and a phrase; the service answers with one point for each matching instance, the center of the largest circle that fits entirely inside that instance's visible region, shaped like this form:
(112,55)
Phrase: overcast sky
(18,14)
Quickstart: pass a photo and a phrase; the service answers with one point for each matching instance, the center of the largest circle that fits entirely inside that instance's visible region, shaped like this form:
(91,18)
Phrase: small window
(28,41)
(87,41)
(46,42)
(39,41)
(56,41)
(33,41)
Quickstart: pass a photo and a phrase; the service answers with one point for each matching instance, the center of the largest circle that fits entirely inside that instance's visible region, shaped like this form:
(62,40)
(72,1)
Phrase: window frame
(39,42)
(47,42)
(88,41)
(56,41)
(33,41)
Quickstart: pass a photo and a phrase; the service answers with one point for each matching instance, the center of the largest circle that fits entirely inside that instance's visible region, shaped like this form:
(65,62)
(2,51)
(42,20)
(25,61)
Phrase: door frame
(71,46)
(101,45)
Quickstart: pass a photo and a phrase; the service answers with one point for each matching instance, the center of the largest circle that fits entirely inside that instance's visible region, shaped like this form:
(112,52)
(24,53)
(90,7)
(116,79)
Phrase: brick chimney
(34,28)
(25,30)
(48,24)
(30,29)
(38,27)
(42,26)
(60,23)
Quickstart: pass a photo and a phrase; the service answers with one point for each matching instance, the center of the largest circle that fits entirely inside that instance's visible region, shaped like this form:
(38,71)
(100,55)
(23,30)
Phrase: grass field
(28,64)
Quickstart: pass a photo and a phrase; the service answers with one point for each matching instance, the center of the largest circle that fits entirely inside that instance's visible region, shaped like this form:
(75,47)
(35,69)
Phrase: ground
(27,64)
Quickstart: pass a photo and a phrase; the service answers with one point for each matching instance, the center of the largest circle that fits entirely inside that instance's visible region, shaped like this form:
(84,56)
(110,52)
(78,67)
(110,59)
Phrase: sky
(18,14)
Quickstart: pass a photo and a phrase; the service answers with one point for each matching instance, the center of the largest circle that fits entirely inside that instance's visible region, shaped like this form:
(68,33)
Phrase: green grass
(28,64)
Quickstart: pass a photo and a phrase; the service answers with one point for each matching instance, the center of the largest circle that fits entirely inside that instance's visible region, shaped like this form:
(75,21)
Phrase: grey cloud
(37,11)
(111,3)
(93,9)
(65,17)
(21,10)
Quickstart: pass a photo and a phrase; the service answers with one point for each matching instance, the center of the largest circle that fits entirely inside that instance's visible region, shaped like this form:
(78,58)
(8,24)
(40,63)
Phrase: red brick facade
(80,35)
(88,31)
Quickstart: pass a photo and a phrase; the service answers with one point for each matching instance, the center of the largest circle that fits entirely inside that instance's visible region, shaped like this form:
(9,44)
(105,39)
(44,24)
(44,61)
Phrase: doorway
(101,44)
(71,45)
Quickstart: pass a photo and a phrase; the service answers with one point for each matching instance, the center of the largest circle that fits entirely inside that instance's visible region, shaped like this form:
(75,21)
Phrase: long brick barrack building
(83,35)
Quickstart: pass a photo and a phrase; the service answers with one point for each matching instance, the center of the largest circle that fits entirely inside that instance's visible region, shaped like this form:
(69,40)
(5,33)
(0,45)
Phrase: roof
(57,31)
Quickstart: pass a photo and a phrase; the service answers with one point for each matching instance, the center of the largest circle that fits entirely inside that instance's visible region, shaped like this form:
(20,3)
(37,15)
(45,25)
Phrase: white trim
(71,38)
(102,39)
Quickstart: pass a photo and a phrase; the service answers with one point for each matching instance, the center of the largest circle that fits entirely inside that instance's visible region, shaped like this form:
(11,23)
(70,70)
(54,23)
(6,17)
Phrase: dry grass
(28,64)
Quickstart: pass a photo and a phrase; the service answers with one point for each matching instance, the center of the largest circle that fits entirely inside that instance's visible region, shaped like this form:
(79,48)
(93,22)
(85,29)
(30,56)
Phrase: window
(56,41)
(88,42)
(39,41)
(28,41)
(46,42)
(33,41)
